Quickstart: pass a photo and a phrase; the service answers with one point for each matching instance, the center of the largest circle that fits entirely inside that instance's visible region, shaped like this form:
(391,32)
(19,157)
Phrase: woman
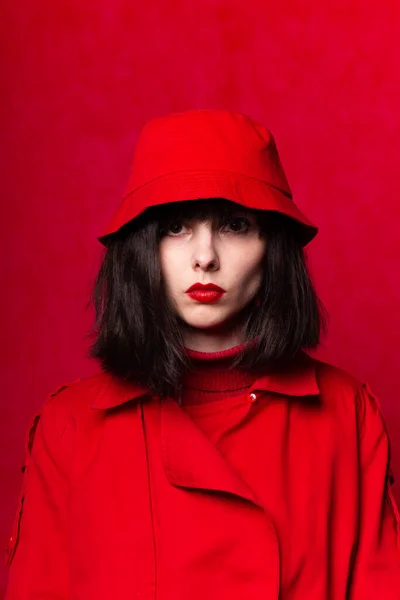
(212,457)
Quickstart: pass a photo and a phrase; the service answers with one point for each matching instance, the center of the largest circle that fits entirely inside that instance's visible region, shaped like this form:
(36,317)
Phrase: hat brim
(199,185)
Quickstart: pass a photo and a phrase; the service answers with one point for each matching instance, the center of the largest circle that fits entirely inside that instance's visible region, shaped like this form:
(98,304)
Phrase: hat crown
(202,154)
(206,140)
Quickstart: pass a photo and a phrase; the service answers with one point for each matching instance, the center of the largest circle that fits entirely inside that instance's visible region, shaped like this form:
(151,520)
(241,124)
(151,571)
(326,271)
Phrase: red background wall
(80,80)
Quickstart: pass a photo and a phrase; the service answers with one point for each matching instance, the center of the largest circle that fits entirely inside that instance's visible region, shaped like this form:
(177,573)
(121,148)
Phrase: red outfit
(273,488)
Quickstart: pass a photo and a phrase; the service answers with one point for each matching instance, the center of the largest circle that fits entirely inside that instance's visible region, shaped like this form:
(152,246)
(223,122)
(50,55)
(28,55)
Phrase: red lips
(207,294)
(208,287)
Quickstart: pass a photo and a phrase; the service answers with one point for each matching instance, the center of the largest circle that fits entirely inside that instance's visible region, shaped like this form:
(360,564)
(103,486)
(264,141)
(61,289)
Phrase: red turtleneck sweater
(212,379)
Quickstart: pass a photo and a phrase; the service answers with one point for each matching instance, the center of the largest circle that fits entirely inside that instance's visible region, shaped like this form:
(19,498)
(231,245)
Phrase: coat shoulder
(63,408)
(333,378)
(80,389)
(347,395)
(74,398)
(69,400)
(340,390)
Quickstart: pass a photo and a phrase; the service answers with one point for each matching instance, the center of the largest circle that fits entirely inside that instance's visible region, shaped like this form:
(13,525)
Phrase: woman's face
(228,254)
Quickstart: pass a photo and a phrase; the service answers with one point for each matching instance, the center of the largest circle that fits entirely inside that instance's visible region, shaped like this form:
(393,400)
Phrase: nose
(205,256)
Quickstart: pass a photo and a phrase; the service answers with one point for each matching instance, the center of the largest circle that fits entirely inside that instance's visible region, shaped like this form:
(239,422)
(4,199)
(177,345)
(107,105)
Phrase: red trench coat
(125,497)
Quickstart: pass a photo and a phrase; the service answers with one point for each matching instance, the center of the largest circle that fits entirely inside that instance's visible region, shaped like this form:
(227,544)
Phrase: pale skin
(230,257)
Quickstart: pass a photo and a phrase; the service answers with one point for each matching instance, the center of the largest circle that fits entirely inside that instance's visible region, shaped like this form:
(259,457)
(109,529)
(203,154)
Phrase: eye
(237,225)
(173,228)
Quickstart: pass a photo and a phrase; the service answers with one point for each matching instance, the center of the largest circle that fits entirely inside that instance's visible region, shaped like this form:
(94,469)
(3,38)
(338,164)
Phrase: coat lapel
(191,460)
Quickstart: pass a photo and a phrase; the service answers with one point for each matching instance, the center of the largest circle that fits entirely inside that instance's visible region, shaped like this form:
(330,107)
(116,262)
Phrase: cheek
(250,266)
(169,267)
(164,264)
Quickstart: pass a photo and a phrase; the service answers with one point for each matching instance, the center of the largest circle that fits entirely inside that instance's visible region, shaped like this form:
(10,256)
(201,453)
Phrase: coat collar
(300,380)
(189,458)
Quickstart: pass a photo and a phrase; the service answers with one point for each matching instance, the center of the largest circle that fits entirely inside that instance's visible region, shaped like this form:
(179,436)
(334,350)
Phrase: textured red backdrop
(82,77)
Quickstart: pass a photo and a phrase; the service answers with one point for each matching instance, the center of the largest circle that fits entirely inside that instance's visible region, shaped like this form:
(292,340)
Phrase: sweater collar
(299,381)
(212,376)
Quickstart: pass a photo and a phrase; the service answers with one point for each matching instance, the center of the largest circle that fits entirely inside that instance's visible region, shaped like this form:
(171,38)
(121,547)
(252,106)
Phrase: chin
(206,321)
(205,326)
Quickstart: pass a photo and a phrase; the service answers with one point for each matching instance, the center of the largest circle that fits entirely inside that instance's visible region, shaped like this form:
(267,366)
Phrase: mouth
(205,293)
(208,287)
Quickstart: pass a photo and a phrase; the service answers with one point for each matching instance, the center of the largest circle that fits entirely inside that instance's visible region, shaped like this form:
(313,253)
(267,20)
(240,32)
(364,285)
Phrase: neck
(212,340)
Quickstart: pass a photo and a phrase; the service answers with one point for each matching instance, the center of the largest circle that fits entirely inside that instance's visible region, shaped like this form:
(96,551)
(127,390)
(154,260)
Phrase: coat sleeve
(377,559)
(37,553)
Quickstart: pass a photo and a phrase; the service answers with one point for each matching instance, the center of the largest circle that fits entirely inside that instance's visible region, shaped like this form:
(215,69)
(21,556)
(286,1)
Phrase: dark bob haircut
(137,336)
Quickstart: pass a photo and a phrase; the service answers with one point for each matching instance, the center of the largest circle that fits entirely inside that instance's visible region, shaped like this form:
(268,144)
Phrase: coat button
(252,396)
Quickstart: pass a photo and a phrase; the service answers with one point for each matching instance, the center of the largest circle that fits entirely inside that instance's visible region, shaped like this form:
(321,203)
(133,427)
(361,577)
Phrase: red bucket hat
(201,154)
